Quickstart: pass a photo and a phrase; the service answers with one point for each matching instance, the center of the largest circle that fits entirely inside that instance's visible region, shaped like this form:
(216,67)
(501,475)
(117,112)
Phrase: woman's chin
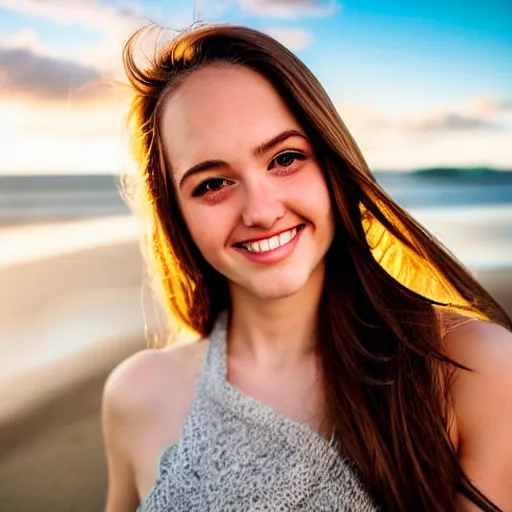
(279,283)
(273,289)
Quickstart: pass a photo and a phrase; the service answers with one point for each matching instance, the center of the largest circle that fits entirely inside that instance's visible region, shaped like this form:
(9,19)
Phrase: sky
(418,84)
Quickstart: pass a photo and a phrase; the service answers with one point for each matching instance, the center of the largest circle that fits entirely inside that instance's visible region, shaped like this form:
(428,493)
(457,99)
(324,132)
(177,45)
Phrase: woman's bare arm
(145,401)
(116,415)
(482,402)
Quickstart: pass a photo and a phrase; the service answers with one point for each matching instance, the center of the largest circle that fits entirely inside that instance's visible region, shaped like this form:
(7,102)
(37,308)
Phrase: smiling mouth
(272,243)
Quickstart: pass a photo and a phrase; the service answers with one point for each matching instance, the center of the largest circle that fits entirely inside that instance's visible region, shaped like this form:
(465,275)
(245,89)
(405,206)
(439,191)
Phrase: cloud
(290,8)
(24,74)
(25,38)
(211,9)
(361,116)
(87,13)
(73,123)
(60,137)
(483,113)
(487,106)
(397,142)
(398,151)
(292,38)
(114,23)
(448,121)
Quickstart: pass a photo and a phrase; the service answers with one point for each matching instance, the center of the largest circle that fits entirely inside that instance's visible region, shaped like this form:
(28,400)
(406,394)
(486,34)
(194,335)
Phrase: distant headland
(486,174)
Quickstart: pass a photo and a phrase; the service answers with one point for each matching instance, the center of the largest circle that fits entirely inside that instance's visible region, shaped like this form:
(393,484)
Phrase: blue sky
(418,84)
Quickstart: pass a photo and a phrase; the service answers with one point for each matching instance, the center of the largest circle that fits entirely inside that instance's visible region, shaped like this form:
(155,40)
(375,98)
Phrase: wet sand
(51,452)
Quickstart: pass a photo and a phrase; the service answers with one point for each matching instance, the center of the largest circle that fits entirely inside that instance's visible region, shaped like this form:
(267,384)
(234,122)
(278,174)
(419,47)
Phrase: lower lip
(275,255)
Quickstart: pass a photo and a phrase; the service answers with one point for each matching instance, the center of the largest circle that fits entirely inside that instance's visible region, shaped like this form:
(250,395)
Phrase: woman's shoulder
(145,401)
(483,350)
(141,383)
(481,398)
(482,346)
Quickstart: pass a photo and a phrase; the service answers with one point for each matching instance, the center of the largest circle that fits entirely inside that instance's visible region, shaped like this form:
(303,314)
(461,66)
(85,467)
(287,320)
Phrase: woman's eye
(287,159)
(210,185)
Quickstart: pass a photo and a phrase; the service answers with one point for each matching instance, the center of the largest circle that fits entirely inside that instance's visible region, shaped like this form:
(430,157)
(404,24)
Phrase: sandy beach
(51,453)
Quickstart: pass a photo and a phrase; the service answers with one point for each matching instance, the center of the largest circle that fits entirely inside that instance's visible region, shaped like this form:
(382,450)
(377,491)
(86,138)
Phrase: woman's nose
(262,205)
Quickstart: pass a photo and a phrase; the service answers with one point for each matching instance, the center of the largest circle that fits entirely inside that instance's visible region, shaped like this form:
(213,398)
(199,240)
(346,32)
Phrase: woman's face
(249,186)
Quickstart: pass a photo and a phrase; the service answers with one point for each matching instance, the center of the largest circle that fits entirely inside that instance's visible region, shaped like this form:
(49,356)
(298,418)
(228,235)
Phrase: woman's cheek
(193,220)
(208,228)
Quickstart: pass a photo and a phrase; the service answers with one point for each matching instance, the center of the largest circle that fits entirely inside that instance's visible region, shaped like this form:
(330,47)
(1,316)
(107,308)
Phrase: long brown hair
(389,280)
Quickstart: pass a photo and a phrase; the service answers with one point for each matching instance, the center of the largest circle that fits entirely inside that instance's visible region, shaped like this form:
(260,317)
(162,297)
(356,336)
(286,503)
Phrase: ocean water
(45,199)
(41,216)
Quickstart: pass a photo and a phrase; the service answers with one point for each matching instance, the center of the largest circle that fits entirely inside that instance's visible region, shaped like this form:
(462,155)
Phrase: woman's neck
(278,332)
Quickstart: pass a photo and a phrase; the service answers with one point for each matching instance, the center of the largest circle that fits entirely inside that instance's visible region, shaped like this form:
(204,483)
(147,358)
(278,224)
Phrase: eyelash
(201,189)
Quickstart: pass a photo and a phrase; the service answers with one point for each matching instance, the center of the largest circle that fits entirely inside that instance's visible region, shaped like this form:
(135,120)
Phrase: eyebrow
(209,165)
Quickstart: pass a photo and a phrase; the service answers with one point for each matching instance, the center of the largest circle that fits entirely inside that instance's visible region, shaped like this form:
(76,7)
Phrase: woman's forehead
(221,108)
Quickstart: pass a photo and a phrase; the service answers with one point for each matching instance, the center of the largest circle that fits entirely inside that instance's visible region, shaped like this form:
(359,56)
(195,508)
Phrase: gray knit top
(237,454)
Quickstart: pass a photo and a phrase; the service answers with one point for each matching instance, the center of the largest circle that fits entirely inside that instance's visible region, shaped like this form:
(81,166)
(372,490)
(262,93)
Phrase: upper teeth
(269,244)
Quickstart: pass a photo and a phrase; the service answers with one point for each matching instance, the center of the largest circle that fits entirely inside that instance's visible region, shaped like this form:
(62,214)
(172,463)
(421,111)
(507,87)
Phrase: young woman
(347,361)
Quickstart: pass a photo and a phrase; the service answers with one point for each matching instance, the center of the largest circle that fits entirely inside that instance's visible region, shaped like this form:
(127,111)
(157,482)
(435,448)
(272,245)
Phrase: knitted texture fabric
(237,454)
